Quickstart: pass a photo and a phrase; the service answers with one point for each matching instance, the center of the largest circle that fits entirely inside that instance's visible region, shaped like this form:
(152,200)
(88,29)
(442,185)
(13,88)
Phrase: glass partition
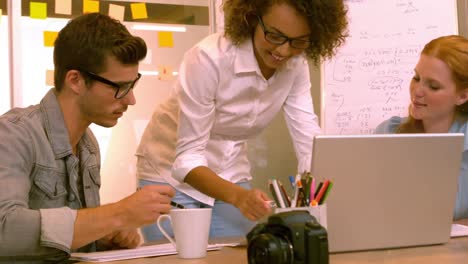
(169,29)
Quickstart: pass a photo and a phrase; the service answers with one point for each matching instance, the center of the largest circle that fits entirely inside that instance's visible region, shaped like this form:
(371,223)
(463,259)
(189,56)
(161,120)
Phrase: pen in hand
(177,205)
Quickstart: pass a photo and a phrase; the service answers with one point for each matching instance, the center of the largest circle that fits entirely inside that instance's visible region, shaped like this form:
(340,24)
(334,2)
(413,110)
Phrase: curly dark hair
(326,19)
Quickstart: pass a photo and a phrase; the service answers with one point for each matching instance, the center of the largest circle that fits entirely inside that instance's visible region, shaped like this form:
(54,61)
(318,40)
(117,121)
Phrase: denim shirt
(461,205)
(42,183)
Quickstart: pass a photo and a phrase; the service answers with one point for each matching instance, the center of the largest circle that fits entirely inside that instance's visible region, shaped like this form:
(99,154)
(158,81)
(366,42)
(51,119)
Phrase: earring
(461,101)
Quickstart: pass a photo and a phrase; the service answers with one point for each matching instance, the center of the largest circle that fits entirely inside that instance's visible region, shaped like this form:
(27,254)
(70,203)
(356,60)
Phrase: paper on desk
(459,230)
(140,252)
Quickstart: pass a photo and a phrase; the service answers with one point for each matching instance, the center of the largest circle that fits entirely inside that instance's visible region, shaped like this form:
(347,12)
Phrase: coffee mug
(191,229)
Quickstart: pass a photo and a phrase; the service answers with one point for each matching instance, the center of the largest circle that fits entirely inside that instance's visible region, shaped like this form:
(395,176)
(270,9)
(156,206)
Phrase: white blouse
(221,99)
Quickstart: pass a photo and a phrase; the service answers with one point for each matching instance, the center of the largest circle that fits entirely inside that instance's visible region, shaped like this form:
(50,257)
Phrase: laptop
(389,191)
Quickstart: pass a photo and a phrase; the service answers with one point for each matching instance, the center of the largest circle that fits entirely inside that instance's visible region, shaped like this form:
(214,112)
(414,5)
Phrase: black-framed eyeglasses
(280,39)
(121,89)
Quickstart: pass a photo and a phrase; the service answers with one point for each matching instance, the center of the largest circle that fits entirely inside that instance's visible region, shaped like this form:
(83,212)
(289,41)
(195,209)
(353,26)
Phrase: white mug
(191,229)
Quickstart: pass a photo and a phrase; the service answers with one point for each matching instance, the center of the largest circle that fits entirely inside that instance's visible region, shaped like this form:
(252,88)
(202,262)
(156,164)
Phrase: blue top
(461,206)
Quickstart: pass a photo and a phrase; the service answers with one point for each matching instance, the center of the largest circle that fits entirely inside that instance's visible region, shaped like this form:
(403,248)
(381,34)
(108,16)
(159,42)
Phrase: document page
(459,230)
(140,252)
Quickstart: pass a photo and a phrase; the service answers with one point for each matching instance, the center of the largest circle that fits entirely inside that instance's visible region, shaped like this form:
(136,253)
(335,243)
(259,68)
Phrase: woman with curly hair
(230,86)
(439,95)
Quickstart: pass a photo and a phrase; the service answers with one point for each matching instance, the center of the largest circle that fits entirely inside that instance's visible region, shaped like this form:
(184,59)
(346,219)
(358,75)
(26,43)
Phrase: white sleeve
(300,118)
(196,88)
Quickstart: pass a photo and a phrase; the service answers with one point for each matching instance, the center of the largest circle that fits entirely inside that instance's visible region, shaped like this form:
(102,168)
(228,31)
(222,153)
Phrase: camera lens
(270,249)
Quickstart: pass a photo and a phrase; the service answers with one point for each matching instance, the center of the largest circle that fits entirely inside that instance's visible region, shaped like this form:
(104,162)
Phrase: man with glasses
(50,162)
(230,87)
(121,89)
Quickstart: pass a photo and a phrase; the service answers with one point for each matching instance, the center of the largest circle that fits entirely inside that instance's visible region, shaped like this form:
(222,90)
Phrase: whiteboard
(367,81)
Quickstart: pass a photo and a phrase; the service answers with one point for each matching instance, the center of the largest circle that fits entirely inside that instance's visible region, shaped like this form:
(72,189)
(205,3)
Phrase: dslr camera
(293,237)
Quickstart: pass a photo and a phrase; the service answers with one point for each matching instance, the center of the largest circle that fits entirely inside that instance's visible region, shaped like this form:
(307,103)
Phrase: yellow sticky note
(50,77)
(0,15)
(165,39)
(49,38)
(90,6)
(63,7)
(117,12)
(139,11)
(38,10)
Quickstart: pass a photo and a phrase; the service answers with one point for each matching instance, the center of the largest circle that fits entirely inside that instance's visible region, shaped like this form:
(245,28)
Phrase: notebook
(393,190)
(141,252)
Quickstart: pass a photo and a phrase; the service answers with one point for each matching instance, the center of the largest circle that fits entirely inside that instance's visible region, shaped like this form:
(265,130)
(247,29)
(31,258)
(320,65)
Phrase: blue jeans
(226,219)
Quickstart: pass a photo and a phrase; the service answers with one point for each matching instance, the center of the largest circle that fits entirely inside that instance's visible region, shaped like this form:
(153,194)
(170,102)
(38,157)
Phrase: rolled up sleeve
(57,227)
(197,112)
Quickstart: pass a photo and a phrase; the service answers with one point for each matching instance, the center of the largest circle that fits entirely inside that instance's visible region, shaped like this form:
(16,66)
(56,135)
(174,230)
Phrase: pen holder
(319,212)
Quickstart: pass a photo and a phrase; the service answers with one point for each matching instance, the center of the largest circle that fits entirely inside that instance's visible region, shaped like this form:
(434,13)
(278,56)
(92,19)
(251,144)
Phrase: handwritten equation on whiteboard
(368,80)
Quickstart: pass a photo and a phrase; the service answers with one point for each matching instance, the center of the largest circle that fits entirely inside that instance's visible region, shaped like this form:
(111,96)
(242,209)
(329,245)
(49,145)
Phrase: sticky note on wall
(165,39)
(166,73)
(90,6)
(49,38)
(38,10)
(50,77)
(139,11)
(63,7)
(117,12)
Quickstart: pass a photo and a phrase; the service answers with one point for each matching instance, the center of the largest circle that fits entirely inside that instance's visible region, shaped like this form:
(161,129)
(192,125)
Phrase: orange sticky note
(38,10)
(63,7)
(165,73)
(165,39)
(139,11)
(90,6)
(50,77)
(117,12)
(49,38)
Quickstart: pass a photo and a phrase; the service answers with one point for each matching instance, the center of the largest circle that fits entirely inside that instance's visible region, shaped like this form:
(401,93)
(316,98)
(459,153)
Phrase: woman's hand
(253,204)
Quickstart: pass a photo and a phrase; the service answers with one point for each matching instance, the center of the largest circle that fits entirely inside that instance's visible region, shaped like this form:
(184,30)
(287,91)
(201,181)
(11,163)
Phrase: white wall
(4,66)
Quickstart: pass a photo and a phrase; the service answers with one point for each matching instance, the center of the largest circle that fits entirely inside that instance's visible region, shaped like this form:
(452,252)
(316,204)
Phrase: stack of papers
(459,230)
(140,252)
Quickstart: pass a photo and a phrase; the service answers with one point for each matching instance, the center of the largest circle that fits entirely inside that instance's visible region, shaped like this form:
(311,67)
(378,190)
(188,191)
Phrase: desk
(454,252)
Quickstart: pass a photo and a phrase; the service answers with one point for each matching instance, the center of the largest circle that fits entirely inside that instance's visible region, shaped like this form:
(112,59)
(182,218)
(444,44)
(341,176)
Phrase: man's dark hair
(86,41)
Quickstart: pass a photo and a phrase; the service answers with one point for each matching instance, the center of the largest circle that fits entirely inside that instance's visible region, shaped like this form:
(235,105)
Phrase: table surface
(455,251)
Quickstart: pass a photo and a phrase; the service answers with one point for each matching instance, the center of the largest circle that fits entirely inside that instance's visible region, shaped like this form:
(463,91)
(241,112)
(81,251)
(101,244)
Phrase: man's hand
(146,205)
(109,221)
(120,239)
